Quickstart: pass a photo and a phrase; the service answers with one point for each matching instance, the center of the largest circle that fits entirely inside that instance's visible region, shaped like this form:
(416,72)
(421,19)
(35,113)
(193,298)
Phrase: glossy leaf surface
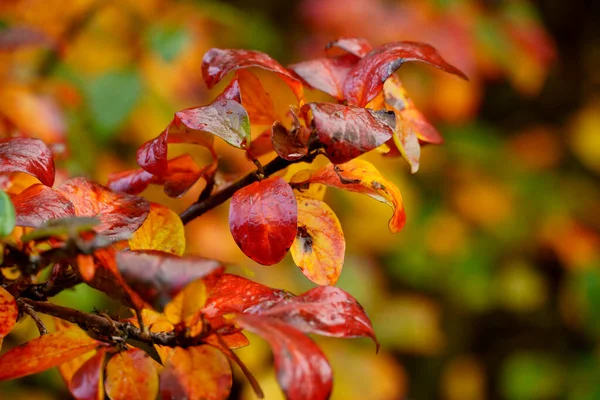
(87,381)
(326,74)
(263,218)
(38,204)
(27,155)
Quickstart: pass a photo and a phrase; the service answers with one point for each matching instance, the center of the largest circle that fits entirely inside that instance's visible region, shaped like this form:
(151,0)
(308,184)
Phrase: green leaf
(168,42)
(111,98)
(7,215)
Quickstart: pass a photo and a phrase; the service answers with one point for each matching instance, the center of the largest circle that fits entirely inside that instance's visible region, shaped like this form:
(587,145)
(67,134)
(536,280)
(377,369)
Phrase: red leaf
(357,46)
(158,277)
(263,218)
(120,214)
(44,352)
(131,375)
(326,74)
(8,313)
(231,92)
(302,370)
(347,132)
(290,145)
(234,294)
(181,174)
(27,155)
(366,79)
(219,62)
(38,203)
(324,310)
(87,382)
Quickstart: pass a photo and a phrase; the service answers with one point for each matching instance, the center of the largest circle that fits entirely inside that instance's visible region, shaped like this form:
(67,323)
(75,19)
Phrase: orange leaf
(86,265)
(131,375)
(45,352)
(319,246)
(200,372)
(8,313)
(86,383)
(68,369)
(187,303)
(362,177)
(255,99)
(162,231)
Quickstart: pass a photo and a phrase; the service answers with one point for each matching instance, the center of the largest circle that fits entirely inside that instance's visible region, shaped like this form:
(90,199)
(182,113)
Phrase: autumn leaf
(324,310)
(234,294)
(359,47)
(45,352)
(130,375)
(69,226)
(362,177)
(161,231)
(219,62)
(86,266)
(255,99)
(87,382)
(290,145)
(302,370)
(120,214)
(8,313)
(263,218)
(27,155)
(69,368)
(7,215)
(326,74)
(181,174)
(366,79)
(39,204)
(347,132)
(158,277)
(199,372)
(319,246)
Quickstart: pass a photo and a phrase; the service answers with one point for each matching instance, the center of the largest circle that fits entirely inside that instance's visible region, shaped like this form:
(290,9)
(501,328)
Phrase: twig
(27,309)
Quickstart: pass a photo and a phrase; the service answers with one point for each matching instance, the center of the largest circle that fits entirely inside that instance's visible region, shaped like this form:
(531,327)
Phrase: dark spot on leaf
(305,237)
(377,186)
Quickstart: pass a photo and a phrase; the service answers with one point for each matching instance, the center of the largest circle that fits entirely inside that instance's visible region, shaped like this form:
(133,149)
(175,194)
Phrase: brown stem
(27,309)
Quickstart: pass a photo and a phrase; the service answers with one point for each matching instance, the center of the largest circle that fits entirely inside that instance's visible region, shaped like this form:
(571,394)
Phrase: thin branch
(28,309)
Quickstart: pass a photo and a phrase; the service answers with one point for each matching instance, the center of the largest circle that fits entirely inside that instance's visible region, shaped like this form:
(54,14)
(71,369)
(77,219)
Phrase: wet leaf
(131,374)
(326,74)
(324,310)
(234,294)
(290,145)
(347,132)
(158,277)
(120,214)
(362,177)
(219,62)
(87,382)
(38,204)
(7,215)
(181,174)
(8,313)
(199,372)
(319,246)
(161,231)
(27,155)
(263,218)
(366,79)
(45,352)
(302,370)
(359,47)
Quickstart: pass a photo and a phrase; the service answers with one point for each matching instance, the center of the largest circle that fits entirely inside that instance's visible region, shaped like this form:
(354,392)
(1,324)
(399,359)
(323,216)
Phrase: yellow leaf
(162,230)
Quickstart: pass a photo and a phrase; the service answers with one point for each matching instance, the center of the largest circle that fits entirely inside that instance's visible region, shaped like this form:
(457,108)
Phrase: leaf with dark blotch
(158,277)
(319,246)
(8,313)
(263,218)
(362,177)
(87,382)
(199,372)
(324,310)
(7,215)
(359,47)
(181,174)
(346,132)
(366,79)
(219,62)
(38,204)
(234,294)
(120,214)
(44,352)
(131,374)
(326,74)
(161,231)
(290,145)
(302,370)
(27,155)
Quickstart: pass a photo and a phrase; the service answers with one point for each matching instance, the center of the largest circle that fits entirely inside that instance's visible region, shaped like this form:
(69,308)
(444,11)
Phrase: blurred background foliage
(492,291)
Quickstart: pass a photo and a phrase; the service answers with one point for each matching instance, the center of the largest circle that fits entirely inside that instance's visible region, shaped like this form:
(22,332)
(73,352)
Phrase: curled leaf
(290,145)
(347,132)
(319,246)
(263,218)
(38,204)
(27,155)
(326,74)
(302,370)
(359,47)
(219,62)
(366,79)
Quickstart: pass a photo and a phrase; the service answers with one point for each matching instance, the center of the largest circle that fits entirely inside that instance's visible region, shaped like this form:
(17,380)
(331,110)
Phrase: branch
(199,208)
